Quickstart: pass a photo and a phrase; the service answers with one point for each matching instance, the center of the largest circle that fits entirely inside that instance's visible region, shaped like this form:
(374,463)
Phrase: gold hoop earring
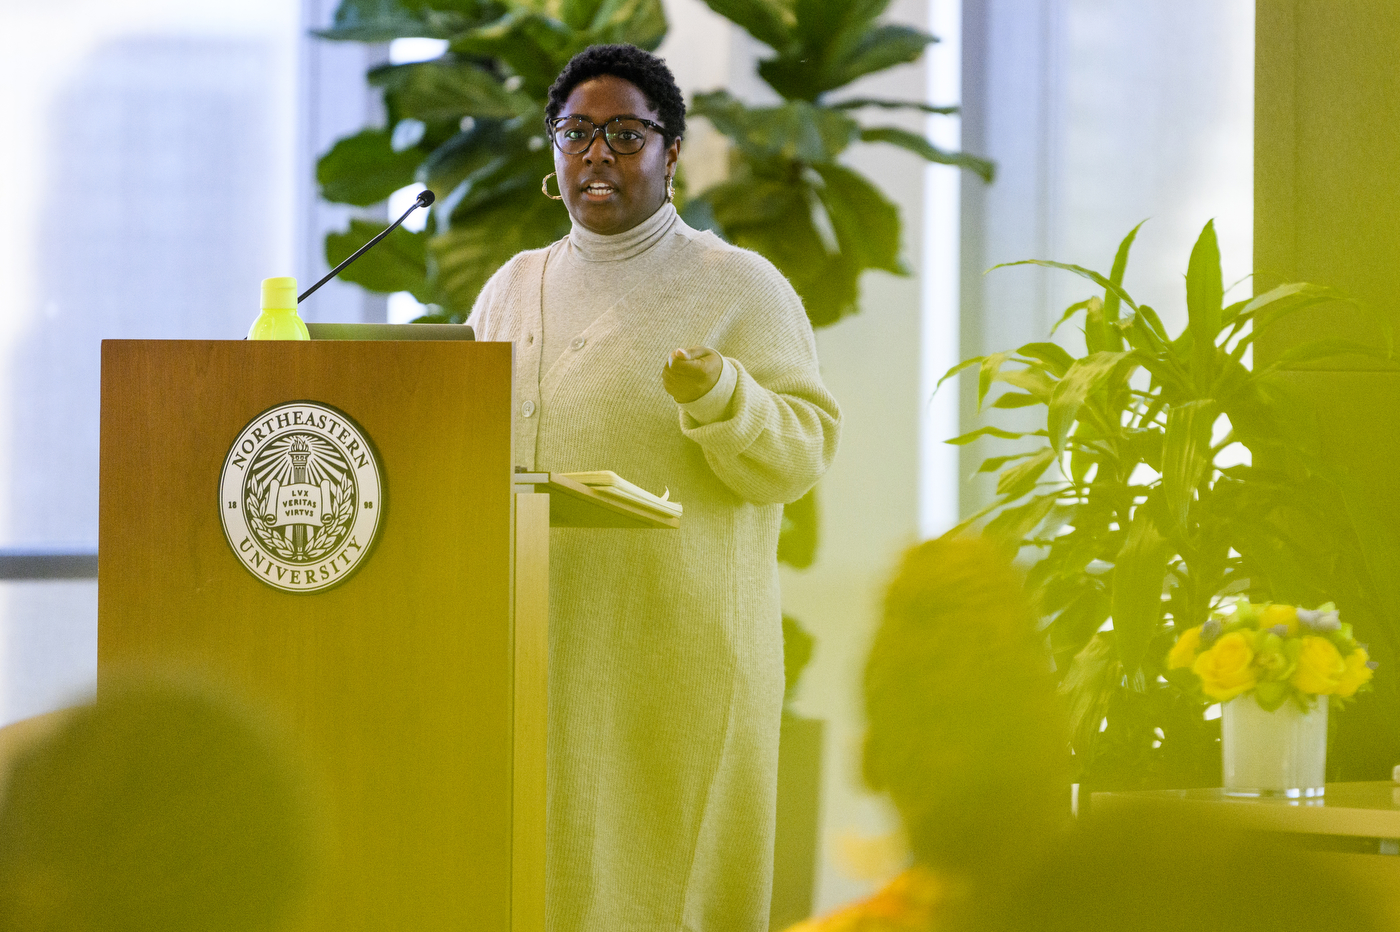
(670,189)
(544,186)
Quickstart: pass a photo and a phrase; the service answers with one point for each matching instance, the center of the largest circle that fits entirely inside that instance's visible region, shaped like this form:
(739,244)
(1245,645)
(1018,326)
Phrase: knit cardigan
(666,662)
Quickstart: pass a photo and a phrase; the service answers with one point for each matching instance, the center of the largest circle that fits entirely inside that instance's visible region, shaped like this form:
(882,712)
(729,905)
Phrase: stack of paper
(610,485)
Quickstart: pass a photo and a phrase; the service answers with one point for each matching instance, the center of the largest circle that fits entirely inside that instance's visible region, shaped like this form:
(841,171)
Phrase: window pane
(48,645)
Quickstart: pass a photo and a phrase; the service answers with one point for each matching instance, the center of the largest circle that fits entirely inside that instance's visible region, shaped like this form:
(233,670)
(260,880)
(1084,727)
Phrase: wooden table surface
(1368,810)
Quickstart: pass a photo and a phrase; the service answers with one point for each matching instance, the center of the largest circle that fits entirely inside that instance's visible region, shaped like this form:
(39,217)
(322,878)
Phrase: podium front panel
(394,687)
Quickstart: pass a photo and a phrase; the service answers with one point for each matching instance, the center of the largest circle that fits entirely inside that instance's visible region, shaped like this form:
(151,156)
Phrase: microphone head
(426,197)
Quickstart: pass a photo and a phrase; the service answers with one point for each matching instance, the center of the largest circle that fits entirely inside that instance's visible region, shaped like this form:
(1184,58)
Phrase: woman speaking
(676,360)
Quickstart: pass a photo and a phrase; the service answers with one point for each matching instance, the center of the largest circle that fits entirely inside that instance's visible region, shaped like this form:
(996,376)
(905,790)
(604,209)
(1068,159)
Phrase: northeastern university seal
(302,496)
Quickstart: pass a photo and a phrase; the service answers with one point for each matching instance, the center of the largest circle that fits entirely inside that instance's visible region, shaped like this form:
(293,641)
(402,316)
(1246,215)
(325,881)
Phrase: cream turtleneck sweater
(665,647)
(594,271)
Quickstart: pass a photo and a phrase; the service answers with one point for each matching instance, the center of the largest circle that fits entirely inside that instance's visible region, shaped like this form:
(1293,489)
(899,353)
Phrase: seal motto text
(301,496)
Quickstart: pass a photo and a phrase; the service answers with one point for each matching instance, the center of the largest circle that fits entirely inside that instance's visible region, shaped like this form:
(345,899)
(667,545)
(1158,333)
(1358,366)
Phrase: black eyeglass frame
(551,125)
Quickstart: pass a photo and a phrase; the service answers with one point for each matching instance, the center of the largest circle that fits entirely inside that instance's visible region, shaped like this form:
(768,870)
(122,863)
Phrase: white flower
(1318,620)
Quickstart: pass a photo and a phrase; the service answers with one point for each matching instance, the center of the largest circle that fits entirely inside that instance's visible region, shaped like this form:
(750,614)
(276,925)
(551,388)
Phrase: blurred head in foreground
(965,731)
(154,809)
(1174,871)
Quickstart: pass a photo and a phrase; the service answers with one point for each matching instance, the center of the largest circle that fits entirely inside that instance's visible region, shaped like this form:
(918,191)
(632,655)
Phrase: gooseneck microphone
(425,198)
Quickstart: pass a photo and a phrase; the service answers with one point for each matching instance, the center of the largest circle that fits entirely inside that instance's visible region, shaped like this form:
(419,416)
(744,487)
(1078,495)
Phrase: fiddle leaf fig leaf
(865,222)
(768,21)
(398,263)
(796,130)
(364,169)
(375,21)
(447,91)
(856,103)
(920,146)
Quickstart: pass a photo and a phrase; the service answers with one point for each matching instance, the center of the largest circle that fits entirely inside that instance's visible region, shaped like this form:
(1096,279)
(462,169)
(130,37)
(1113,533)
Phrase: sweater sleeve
(779,432)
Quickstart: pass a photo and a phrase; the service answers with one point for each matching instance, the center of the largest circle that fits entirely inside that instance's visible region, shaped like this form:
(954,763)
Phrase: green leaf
(856,103)
(439,91)
(990,432)
(1097,338)
(767,21)
(987,374)
(877,49)
(1185,456)
(797,537)
(1069,312)
(1111,299)
(375,21)
(1085,377)
(1139,576)
(865,222)
(632,22)
(1153,321)
(965,364)
(533,46)
(1032,379)
(1054,356)
(920,146)
(1021,478)
(1082,272)
(1269,695)
(1016,400)
(364,169)
(993,463)
(1204,297)
(465,154)
(796,130)
(1088,686)
(398,263)
(754,201)
(1012,525)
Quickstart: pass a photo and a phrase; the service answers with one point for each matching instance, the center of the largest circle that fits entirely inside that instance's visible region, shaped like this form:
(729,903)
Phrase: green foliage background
(469,125)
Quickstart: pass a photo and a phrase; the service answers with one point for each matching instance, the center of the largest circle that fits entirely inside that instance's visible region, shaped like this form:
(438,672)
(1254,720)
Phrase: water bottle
(279,319)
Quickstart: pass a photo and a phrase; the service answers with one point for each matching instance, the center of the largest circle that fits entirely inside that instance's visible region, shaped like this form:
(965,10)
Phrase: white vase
(1278,753)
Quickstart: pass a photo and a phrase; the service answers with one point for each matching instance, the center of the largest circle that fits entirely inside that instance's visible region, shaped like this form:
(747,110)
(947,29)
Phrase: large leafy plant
(1140,514)
(469,126)
(788,196)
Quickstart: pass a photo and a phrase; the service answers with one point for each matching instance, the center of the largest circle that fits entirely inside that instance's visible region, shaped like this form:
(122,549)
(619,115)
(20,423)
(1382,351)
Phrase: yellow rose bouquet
(1276,652)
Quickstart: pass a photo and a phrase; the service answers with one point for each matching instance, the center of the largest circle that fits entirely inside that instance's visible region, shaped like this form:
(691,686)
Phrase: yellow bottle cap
(279,294)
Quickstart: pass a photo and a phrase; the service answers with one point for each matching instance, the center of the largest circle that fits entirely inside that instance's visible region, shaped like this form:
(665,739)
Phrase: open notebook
(610,485)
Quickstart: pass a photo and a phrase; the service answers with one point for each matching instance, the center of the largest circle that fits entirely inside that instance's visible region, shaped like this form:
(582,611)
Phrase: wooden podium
(414,691)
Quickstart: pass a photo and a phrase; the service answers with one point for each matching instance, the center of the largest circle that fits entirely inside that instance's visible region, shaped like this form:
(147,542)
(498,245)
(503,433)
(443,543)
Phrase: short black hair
(640,67)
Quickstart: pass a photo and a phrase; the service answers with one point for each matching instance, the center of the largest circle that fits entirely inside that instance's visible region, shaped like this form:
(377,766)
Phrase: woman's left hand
(691,372)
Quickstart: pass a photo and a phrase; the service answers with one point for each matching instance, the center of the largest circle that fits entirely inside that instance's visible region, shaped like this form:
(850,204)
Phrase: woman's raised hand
(691,372)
